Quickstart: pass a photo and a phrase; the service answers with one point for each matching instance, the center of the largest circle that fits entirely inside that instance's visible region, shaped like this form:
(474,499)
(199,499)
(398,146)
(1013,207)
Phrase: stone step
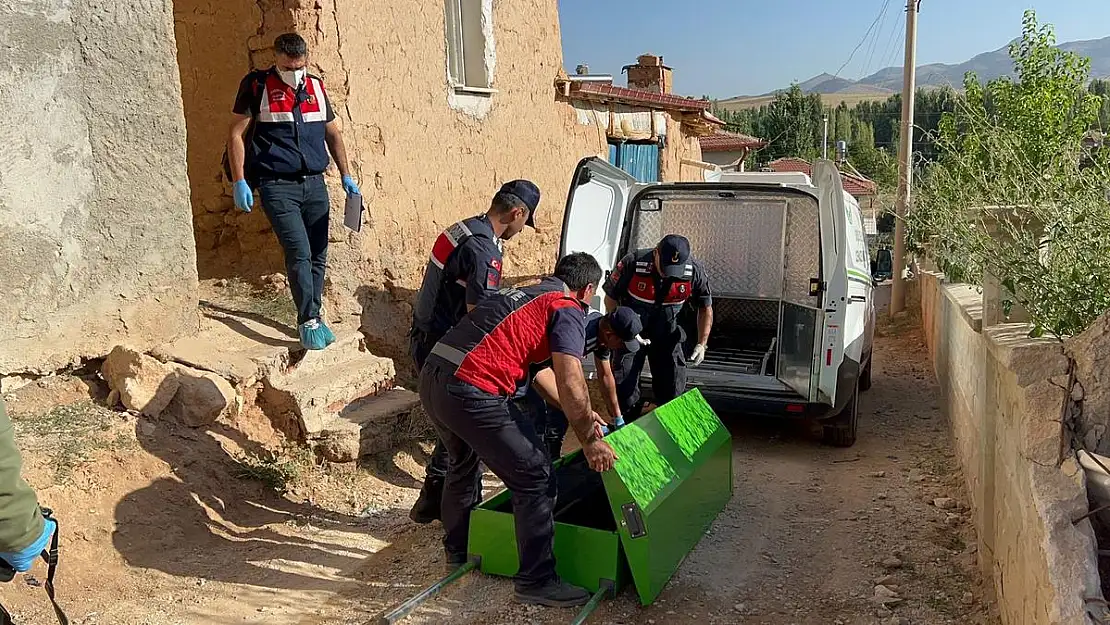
(366,427)
(324,383)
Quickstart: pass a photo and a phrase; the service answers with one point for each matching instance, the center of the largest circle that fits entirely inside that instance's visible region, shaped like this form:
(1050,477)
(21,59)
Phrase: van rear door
(594,218)
(835,259)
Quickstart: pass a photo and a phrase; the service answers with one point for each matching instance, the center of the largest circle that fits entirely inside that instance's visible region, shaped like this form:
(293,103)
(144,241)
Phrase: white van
(789,270)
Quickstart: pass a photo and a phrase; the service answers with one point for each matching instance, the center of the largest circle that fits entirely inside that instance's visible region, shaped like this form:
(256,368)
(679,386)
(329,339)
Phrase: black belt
(288,177)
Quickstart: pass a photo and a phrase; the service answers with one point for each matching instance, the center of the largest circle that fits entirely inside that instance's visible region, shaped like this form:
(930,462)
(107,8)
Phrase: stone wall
(423,160)
(1004,394)
(96,242)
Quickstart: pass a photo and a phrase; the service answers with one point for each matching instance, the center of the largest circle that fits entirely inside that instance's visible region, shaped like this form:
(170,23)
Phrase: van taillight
(795,408)
(828,358)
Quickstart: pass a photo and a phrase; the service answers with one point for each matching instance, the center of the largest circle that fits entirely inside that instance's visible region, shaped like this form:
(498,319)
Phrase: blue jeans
(298,210)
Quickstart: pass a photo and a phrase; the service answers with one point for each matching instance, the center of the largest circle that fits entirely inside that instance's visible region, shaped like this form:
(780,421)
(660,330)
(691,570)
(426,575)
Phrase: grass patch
(269,302)
(70,434)
(278,470)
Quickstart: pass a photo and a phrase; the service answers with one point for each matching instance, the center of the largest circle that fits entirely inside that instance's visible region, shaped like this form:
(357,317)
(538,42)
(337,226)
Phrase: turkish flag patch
(493,277)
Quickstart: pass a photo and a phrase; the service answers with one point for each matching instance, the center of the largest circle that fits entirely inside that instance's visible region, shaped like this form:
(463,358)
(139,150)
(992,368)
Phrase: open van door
(834,254)
(594,216)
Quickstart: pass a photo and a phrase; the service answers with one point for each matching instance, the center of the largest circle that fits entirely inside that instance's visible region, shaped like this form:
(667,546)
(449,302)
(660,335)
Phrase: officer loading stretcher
(464,268)
(657,283)
(467,383)
(618,330)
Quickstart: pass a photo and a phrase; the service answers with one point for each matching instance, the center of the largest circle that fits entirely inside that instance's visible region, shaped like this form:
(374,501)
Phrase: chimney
(649,74)
(582,70)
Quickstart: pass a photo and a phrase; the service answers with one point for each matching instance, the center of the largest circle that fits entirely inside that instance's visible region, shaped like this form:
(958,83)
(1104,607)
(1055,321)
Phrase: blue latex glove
(21,561)
(618,424)
(244,199)
(350,186)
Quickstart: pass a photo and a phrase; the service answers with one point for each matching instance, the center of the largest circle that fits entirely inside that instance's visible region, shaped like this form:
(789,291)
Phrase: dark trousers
(420,345)
(476,425)
(668,372)
(298,212)
(551,423)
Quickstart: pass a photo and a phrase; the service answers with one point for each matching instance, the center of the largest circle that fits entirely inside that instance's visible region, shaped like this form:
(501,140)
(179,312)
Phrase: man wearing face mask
(282,128)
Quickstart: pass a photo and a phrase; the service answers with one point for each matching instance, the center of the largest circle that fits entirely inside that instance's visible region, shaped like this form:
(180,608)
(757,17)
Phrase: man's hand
(698,356)
(599,455)
(244,198)
(350,186)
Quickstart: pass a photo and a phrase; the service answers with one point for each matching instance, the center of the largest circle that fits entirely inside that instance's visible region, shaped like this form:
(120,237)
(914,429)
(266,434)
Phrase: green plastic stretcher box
(635,523)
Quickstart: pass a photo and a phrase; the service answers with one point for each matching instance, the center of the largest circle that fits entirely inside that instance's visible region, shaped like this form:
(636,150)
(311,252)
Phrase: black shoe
(427,507)
(554,594)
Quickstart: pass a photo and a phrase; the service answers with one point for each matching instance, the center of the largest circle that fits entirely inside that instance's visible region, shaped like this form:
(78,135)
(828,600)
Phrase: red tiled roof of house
(729,142)
(854,185)
(603,91)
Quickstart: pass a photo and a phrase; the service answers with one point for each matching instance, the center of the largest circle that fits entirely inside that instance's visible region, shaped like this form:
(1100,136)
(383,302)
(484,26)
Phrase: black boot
(427,506)
(554,594)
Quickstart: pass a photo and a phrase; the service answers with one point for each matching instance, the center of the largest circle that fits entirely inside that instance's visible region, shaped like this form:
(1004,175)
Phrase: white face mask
(293,78)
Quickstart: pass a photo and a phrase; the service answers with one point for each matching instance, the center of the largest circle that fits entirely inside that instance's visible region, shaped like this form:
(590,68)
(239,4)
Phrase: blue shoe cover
(329,336)
(312,335)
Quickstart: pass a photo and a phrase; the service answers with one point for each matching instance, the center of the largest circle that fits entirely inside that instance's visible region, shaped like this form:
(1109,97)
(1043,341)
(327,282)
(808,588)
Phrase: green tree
(1007,194)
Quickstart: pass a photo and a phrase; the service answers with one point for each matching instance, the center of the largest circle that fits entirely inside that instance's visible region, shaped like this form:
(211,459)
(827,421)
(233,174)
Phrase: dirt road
(160,531)
(808,536)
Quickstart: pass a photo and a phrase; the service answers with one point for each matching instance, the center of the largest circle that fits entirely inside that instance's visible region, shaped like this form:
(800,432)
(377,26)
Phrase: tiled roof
(729,142)
(854,185)
(603,91)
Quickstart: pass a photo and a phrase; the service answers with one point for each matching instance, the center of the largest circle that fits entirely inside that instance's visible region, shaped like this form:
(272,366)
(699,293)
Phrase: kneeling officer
(467,382)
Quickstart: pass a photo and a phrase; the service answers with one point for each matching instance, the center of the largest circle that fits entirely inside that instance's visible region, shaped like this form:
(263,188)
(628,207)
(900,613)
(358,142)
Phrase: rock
(968,598)
(945,503)
(739,607)
(884,580)
(885,596)
(221,283)
(1077,392)
(275,282)
(883,612)
(144,384)
(339,445)
(953,520)
(113,399)
(878,474)
(895,620)
(202,397)
(890,562)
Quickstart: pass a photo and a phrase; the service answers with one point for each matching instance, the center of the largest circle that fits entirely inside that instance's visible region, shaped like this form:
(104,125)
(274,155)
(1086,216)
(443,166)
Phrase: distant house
(651,133)
(864,190)
(729,150)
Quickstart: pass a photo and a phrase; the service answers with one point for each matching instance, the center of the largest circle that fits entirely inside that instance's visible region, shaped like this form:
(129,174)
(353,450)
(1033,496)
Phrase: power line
(891,47)
(882,11)
(873,46)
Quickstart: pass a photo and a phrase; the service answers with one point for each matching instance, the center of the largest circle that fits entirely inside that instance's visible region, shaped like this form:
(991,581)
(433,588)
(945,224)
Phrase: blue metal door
(641,160)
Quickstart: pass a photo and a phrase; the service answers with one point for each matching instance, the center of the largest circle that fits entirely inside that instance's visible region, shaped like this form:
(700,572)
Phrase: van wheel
(840,431)
(865,377)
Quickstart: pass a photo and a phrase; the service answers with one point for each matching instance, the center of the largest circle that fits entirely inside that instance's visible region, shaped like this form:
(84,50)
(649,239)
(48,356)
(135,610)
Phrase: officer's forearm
(610,304)
(705,324)
(574,396)
(338,149)
(608,386)
(547,387)
(236,147)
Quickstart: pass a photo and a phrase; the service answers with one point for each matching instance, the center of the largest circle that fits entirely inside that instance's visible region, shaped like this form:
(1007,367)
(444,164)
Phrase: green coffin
(638,521)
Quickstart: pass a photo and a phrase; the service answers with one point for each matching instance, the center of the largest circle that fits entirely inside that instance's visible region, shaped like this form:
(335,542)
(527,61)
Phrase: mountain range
(888,81)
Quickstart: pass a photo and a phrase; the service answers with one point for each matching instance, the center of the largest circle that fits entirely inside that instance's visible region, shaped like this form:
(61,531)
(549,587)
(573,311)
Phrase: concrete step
(325,383)
(368,426)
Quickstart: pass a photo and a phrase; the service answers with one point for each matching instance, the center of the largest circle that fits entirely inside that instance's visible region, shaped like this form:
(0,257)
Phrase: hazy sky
(745,47)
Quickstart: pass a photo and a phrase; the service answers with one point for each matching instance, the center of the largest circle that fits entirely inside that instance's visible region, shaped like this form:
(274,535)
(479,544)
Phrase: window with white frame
(468,31)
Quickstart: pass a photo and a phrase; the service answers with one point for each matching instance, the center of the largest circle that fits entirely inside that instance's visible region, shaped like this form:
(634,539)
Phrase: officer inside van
(657,283)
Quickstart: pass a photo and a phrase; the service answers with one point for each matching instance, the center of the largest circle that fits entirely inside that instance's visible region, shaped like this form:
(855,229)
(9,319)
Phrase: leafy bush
(1016,194)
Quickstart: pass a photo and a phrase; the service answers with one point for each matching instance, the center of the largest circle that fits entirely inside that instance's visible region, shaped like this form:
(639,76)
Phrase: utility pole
(905,158)
(825,137)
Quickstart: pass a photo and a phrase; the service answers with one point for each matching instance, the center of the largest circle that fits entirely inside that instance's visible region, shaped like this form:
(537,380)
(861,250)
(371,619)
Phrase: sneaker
(329,336)
(312,335)
(427,507)
(554,594)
